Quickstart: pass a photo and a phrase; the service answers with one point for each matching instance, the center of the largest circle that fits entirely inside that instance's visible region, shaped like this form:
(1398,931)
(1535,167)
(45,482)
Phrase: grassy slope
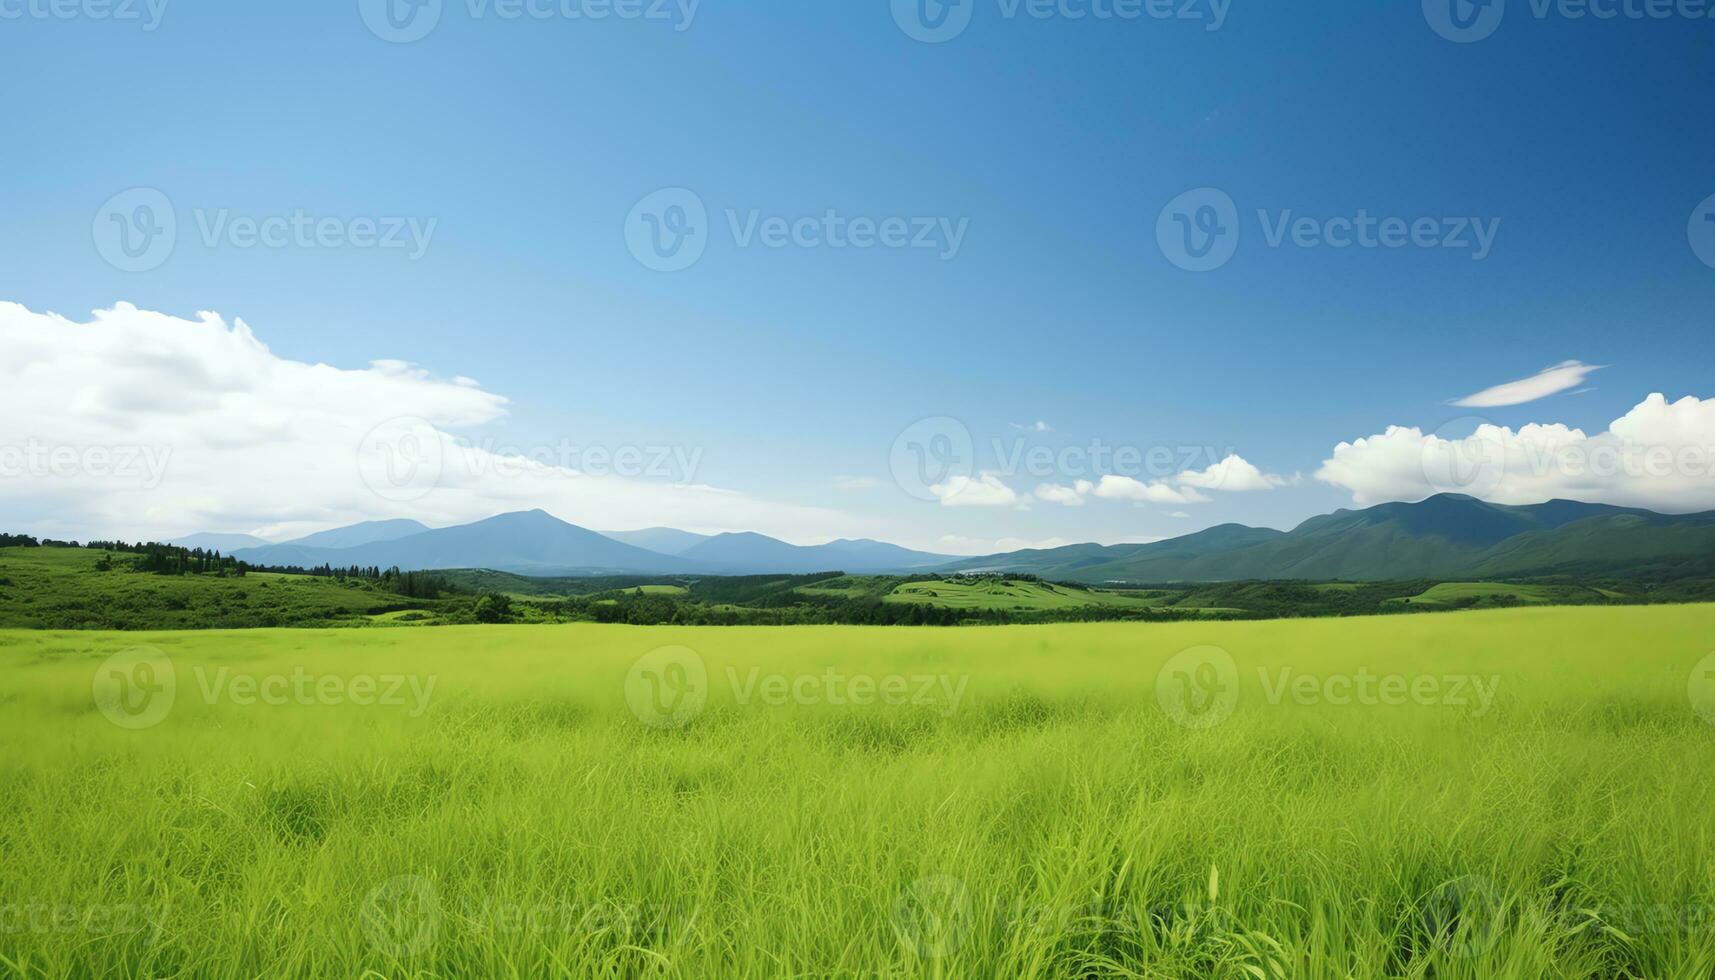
(59,588)
(1447,593)
(1057,821)
(1009,594)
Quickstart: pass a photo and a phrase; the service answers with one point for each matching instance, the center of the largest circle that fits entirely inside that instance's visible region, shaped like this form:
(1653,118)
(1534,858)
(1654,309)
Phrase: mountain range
(1445,536)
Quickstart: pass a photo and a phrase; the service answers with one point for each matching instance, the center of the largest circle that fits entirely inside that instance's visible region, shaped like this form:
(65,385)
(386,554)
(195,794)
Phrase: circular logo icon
(1199,687)
(1198,231)
(1700,688)
(1464,916)
(668,230)
(401,916)
(400,21)
(135,688)
(402,459)
(135,231)
(1467,455)
(1701,231)
(934,458)
(933,915)
(933,21)
(1464,21)
(668,687)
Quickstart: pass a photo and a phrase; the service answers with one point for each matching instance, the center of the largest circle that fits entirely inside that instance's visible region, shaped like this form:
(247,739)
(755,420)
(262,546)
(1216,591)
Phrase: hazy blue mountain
(224,543)
(749,553)
(528,542)
(666,540)
(353,535)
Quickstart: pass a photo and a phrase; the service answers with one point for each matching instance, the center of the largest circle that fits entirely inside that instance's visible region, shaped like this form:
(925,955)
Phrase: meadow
(1500,793)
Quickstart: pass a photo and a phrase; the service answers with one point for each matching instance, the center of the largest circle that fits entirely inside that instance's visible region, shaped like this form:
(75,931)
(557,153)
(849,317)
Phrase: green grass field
(1508,793)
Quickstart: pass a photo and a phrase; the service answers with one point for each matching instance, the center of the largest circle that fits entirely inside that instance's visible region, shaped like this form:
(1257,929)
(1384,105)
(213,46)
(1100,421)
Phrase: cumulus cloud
(1114,487)
(144,424)
(985,490)
(1233,474)
(1070,496)
(1660,456)
(1549,381)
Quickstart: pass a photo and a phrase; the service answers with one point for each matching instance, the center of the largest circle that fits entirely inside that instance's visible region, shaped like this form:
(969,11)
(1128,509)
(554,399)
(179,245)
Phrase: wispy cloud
(1549,381)
(1036,426)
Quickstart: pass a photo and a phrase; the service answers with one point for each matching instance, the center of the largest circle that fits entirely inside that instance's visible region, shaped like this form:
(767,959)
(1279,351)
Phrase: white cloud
(1070,496)
(1178,513)
(985,490)
(1114,487)
(1549,381)
(1233,474)
(1659,456)
(1037,426)
(247,440)
(856,483)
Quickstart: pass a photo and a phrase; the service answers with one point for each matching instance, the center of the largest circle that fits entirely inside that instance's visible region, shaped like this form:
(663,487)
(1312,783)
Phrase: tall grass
(1055,820)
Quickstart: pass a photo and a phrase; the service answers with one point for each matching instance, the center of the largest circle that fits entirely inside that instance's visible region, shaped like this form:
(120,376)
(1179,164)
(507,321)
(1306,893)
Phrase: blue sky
(1055,141)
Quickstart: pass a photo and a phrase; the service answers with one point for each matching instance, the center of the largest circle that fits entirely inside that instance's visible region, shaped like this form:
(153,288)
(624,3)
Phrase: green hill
(80,588)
